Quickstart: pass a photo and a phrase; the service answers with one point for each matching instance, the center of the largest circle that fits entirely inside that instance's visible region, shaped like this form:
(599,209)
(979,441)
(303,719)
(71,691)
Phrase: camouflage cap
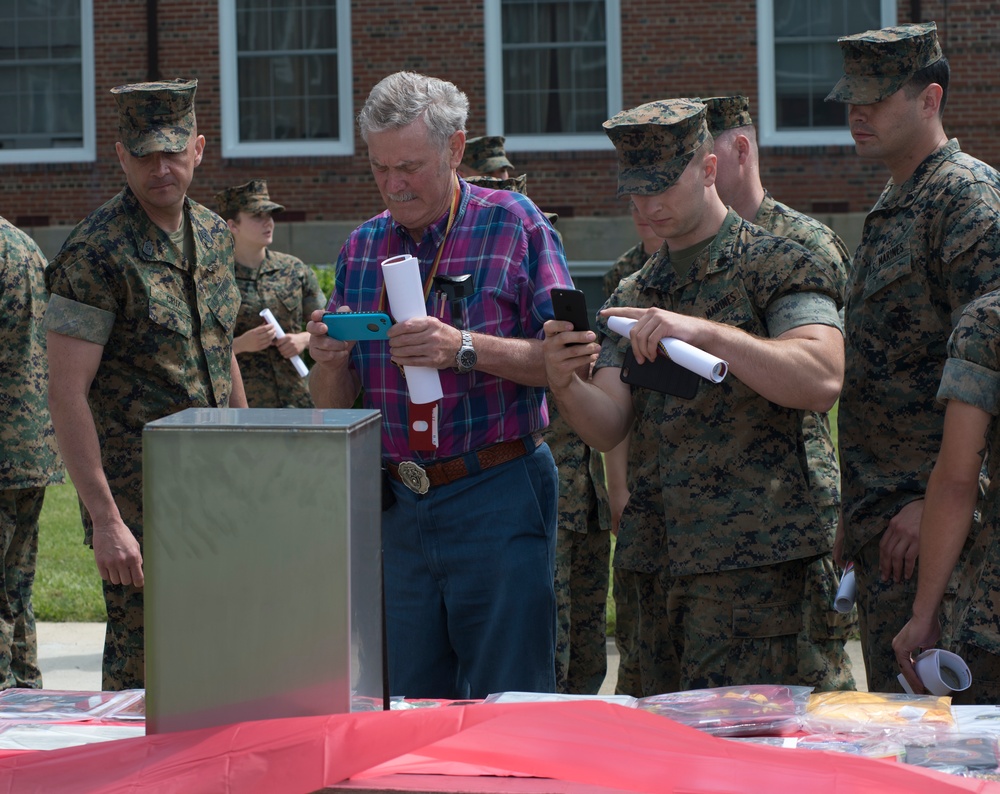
(655,142)
(727,113)
(877,63)
(155,117)
(515,184)
(251,197)
(485,154)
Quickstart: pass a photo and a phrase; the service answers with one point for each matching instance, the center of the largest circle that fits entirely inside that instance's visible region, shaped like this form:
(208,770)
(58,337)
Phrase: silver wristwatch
(465,358)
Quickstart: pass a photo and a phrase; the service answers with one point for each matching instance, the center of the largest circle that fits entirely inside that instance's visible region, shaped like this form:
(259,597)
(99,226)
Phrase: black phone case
(570,305)
(661,374)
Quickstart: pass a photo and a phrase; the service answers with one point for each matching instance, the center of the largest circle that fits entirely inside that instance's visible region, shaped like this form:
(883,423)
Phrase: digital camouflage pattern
(291,291)
(727,113)
(518,184)
(719,487)
(825,244)
(19,511)
(823,660)
(709,493)
(30,459)
(929,246)
(155,117)
(629,262)
(30,455)
(251,197)
(166,324)
(655,142)
(486,154)
(877,63)
(972,375)
(720,629)
(583,551)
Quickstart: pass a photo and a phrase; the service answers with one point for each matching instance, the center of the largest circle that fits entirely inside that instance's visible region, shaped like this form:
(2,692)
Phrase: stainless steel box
(262,554)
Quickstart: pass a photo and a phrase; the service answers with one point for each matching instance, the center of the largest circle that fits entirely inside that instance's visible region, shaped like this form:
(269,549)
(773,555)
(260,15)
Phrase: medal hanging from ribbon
(422,418)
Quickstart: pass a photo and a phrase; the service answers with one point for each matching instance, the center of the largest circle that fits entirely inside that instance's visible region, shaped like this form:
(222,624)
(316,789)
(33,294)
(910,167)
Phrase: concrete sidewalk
(70,657)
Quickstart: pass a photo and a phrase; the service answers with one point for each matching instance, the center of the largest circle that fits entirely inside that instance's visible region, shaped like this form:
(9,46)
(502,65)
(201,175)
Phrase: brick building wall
(682,48)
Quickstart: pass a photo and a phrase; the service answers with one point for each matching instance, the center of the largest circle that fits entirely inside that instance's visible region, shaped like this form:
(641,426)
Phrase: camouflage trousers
(883,609)
(626,597)
(19,511)
(823,660)
(124,663)
(720,629)
(581,585)
(985,669)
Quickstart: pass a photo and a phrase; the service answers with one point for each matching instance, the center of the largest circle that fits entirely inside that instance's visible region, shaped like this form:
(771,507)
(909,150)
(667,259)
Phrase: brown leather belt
(418,478)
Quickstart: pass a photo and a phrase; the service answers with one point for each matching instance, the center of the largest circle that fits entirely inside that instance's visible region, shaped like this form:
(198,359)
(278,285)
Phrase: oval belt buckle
(414,477)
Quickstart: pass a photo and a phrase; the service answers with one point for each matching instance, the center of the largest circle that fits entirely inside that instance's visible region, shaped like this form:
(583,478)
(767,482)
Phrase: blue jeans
(469,566)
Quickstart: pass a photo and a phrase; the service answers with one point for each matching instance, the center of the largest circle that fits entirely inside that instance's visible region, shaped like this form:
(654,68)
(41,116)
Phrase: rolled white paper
(297,362)
(406,300)
(941,672)
(847,592)
(711,368)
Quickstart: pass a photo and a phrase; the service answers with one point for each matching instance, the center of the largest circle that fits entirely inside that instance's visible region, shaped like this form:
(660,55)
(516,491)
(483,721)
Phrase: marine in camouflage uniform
(583,542)
(972,375)
(930,245)
(162,307)
(823,660)
(30,459)
(720,526)
(285,285)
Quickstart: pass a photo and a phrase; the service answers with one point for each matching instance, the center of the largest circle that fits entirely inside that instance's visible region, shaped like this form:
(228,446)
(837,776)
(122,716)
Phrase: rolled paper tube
(711,368)
(406,300)
(847,592)
(297,362)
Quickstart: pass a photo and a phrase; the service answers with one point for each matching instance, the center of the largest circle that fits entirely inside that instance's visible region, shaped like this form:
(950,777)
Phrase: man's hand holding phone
(571,349)
(324,349)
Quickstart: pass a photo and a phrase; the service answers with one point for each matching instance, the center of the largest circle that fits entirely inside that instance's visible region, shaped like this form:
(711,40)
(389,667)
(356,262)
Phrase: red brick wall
(671,48)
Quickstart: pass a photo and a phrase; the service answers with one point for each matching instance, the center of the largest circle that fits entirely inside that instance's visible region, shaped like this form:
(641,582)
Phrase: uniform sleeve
(972,371)
(312,296)
(801,308)
(82,303)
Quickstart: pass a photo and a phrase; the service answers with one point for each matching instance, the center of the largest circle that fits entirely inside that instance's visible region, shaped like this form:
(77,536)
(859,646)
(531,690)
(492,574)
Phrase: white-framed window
(799,62)
(553,74)
(285,78)
(47,81)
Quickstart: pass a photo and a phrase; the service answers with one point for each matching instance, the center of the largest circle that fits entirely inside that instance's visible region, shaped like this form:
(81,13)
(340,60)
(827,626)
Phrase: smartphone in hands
(570,305)
(351,326)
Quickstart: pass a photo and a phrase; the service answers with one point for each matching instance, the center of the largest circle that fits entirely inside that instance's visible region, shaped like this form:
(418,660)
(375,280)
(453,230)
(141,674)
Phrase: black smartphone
(661,374)
(570,305)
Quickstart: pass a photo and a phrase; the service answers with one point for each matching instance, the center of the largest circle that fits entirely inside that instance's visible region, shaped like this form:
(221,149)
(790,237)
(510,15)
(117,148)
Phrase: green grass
(67,585)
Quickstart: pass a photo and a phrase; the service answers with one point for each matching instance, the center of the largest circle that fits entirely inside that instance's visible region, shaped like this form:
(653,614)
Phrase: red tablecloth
(593,743)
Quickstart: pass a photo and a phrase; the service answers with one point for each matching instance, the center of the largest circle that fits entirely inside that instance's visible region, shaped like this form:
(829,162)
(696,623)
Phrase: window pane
(287,69)
(554,66)
(41,74)
(808,60)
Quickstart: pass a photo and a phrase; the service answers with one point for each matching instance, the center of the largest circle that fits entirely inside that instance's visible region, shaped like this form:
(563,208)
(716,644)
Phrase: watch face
(466,359)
